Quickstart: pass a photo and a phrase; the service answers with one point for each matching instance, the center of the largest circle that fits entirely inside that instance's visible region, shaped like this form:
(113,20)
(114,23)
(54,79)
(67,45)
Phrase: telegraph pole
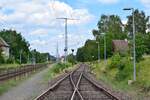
(134,45)
(20,56)
(57,53)
(66,35)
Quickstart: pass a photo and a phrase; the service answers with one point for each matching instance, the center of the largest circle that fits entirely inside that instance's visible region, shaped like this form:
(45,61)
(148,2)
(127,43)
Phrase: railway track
(76,85)
(20,71)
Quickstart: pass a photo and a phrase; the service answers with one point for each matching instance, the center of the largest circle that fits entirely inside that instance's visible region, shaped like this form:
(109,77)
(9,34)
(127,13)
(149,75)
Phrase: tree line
(114,29)
(19,46)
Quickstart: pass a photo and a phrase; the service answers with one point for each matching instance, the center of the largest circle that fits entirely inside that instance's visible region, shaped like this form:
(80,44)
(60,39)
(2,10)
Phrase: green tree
(17,43)
(140,22)
(110,23)
(147,44)
(80,54)
(88,52)
(1,57)
(71,58)
(112,27)
(141,48)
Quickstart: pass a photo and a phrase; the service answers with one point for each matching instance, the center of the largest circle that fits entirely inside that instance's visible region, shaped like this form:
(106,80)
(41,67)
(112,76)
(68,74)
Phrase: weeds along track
(76,86)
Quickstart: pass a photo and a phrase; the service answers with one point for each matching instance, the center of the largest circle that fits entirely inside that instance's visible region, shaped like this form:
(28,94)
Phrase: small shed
(4,47)
(120,46)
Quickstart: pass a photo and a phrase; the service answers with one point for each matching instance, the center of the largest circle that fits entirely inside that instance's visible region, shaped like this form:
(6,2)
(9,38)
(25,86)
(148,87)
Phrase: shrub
(2,60)
(9,61)
(124,66)
(125,69)
(60,66)
(115,61)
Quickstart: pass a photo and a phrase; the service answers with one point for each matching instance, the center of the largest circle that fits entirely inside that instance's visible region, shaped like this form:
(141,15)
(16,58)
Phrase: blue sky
(36,19)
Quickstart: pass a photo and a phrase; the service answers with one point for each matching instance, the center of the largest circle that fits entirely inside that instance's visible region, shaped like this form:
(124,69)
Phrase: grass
(138,89)
(10,66)
(5,86)
(7,66)
(56,70)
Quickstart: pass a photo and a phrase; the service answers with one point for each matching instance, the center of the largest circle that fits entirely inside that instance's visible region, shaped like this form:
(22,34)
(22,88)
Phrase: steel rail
(101,88)
(76,89)
(40,97)
(19,71)
(76,86)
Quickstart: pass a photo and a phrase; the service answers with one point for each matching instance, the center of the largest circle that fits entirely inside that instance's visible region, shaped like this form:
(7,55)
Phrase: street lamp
(134,52)
(148,24)
(20,56)
(105,53)
(98,55)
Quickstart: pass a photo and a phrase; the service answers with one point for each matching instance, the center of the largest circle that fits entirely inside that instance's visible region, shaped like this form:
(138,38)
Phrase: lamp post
(134,52)
(105,53)
(98,54)
(20,56)
(148,24)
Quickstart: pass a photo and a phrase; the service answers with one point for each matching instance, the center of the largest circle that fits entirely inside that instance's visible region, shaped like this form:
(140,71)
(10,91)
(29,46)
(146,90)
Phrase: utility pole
(20,56)
(28,58)
(47,58)
(98,48)
(57,53)
(105,53)
(66,35)
(134,52)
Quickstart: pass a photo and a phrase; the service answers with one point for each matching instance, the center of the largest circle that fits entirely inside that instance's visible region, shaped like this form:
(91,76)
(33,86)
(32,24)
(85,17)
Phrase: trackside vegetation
(119,69)
(57,69)
(118,72)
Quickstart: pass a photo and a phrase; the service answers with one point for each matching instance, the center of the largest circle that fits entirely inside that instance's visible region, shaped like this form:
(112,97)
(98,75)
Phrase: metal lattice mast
(66,35)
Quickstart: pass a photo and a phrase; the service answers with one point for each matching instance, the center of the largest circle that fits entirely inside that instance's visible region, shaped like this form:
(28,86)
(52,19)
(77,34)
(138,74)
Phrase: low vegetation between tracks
(137,90)
(57,69)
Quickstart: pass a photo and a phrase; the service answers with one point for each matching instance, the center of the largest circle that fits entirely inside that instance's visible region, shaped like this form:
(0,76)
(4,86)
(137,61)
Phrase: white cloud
(38,42)
(146,3)
(124,21)
(108,1)
(38,17)
(40,32)
(35,12)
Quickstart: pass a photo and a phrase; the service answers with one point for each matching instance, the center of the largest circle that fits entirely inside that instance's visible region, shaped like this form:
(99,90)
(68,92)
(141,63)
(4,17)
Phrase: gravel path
(28,89)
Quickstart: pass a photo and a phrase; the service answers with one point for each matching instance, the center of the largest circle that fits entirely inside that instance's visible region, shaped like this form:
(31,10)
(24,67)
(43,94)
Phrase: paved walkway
(28,89)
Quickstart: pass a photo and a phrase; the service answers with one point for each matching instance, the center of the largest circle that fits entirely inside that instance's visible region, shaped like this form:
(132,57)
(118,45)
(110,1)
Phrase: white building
(5,48)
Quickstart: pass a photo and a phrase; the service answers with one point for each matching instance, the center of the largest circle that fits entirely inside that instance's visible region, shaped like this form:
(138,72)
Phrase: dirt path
(28,89)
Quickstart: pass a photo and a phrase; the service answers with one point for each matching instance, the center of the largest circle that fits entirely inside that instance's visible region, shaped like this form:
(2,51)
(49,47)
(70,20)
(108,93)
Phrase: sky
(36,20)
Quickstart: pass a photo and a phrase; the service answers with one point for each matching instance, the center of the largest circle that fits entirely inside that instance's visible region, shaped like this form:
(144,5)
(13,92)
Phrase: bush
(9,61)
(115,61)
(60,66)
(2,60)
(124,66)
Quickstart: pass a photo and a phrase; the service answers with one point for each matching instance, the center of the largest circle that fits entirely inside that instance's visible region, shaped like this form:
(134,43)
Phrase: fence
(10,73)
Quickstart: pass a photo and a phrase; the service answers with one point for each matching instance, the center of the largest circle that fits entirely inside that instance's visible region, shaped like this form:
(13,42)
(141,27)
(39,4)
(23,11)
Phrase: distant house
(62,59)
(120,46)
(5,48)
